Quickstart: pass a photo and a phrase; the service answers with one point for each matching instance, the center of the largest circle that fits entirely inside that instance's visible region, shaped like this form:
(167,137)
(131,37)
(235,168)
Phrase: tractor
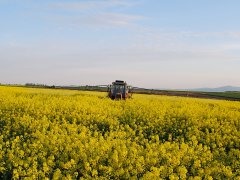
(119,90)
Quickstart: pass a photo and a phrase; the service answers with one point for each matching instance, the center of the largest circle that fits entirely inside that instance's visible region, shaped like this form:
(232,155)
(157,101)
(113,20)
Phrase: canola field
(61,134)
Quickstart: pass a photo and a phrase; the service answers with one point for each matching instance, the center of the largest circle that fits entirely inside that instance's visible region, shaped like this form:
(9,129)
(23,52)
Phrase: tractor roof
(119,82)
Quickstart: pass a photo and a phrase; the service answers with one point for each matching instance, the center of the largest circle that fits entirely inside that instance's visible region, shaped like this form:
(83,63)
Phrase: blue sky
(148,43)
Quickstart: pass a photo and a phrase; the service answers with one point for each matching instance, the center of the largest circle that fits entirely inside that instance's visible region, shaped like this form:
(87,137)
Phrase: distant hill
(219,89)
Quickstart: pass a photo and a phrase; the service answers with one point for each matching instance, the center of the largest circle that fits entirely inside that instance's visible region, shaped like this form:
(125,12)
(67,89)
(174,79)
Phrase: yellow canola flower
(63,134)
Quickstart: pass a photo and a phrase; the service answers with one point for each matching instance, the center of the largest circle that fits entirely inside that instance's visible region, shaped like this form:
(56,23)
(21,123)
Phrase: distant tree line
(39,85)
(87,87)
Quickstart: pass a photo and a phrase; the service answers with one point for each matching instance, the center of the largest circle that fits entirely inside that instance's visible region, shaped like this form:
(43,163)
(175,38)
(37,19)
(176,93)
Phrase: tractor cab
(119,90)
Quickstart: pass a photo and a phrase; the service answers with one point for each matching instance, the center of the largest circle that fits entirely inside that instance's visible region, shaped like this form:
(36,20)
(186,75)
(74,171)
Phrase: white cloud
(232,46)
(91,5)
(70,63)
(171,34)
(214,34)
(100,20)
(95,13)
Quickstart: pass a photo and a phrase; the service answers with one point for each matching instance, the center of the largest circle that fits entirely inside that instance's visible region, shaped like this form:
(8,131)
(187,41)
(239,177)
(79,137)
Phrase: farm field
(63,134)
(229,94)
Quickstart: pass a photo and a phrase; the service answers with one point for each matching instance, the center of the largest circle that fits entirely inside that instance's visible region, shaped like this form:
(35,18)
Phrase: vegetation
(227,94)
(61,134)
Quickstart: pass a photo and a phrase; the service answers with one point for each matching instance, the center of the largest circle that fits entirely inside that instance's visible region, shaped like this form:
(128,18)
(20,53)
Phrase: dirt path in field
(189,94)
